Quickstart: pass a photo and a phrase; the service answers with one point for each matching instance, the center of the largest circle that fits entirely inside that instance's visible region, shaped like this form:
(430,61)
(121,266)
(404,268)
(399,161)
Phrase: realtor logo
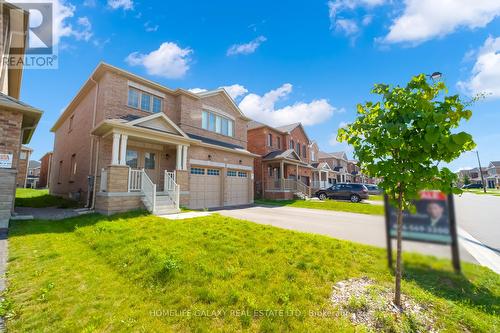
(31,32)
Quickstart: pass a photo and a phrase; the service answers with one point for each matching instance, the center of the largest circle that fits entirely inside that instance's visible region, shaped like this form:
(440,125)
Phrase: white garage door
(236,188)
(204,188)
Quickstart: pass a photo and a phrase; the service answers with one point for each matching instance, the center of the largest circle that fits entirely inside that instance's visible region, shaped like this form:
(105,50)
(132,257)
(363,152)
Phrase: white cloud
(86,29)
(247,48)
(123,4)
(345,20)
(197,90)
(169,61)
(426,19)
(235,90)
(149,27)
(262,108)
(485,77)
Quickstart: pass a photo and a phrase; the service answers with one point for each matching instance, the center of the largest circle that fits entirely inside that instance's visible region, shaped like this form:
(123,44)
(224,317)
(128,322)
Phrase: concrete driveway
(361,228)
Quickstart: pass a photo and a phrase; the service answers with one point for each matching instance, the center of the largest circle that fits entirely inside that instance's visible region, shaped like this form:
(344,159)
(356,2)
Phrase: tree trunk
(397,296)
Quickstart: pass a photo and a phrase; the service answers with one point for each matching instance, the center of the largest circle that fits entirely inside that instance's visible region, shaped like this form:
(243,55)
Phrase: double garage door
(206,190)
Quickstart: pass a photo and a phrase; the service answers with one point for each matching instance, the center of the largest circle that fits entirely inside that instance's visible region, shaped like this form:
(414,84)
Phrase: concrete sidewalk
(360,228)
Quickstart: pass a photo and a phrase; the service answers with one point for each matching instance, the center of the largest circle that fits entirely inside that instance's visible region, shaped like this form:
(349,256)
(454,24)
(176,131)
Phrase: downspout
(95,174)
(92,141)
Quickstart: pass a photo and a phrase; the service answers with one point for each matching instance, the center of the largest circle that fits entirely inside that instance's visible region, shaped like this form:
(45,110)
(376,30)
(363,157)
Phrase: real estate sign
(433,221)
(5,161)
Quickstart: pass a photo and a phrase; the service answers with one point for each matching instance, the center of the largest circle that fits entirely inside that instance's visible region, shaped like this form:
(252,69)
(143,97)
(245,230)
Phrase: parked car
(353,192)
(373,189)
(469,186)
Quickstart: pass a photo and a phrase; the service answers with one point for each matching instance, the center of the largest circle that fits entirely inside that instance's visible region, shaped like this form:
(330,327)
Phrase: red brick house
(45,170)
(125,142)
(288,161)
(17,119)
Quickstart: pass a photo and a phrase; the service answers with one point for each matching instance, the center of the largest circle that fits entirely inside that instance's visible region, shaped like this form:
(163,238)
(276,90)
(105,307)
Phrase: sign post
(433,222)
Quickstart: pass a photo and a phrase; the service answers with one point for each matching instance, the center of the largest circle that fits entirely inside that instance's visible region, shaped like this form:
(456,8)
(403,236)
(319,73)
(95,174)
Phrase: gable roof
(338,154)
(290,127)
(223,92)
(289,154)
(155,120)
(495,163)
(103,67)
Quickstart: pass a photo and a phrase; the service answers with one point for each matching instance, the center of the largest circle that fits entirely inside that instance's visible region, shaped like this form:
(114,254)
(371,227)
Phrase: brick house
(140,144)
(17,119)
(339,163)
(45,170)
(287,163)
(493,176)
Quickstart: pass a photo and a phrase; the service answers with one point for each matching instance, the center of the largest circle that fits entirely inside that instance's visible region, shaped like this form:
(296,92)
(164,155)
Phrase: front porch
(285,177)
(141,167)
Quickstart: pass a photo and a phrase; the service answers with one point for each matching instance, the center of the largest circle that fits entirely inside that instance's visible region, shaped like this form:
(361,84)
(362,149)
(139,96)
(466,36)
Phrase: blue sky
(284,61)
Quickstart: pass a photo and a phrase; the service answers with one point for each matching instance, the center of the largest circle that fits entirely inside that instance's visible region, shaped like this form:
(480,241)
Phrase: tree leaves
(402,137)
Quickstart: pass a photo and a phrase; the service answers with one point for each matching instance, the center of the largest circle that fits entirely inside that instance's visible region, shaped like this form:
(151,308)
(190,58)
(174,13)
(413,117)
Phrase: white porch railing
(103,186)
(287,185)
(149,190)
(171,188)
(134,180)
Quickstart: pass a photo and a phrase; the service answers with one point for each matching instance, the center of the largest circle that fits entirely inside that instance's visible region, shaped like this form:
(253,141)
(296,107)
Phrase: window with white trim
(231,173)
(197,171)
(213,172)
(144,101)
(269,140)
(278,140)
(216,123)
(242,174)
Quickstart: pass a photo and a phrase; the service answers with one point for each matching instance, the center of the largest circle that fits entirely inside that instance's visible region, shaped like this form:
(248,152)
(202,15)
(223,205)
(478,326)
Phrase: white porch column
(282,170)
(178,159)
(123,149)
(184,157)
(115,149)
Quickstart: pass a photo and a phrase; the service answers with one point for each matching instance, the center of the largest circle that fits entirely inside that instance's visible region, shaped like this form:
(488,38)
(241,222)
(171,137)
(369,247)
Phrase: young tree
(402,138)
(466,180)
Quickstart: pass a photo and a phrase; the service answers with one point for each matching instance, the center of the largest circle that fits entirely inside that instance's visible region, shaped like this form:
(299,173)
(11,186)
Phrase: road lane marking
(479,251)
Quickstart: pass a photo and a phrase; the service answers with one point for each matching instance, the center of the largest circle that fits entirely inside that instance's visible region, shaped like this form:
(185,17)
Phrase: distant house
(33,174)
(45,170)
(493,176)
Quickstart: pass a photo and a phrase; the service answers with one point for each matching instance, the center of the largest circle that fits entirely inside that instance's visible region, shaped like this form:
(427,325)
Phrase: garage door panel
(236,189)
(205,188)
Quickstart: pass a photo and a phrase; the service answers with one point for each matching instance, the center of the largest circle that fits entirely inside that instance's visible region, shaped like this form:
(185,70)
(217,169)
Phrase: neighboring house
(338,162)
(288,161)
(140,144)
(17,119)
(493,176)
(33,174)
(473,175)
(45,170)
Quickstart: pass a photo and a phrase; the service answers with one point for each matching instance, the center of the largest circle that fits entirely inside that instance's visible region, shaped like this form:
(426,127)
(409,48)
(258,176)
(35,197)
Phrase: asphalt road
(479,215)
(360,228)
(478,220)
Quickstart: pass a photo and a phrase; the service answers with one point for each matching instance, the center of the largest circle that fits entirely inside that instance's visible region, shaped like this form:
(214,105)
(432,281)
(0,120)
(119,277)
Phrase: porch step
(301,195)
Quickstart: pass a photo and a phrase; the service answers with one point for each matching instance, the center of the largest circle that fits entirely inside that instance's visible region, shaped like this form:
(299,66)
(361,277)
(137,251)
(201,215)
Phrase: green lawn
(138,272)
(341,206)
(27,197)
(490,191)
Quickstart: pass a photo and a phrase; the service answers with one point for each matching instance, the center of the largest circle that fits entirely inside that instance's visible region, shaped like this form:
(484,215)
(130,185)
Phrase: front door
(150,165)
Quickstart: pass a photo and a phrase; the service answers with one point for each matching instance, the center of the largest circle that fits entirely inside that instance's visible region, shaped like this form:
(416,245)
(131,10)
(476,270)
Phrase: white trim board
(220,165)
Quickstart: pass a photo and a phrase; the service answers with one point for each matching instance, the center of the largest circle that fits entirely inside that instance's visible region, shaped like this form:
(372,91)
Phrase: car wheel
(322,196)
(355,198)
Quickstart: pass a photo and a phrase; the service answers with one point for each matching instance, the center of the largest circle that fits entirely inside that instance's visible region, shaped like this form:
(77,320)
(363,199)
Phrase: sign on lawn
(432,222)
(5,161)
